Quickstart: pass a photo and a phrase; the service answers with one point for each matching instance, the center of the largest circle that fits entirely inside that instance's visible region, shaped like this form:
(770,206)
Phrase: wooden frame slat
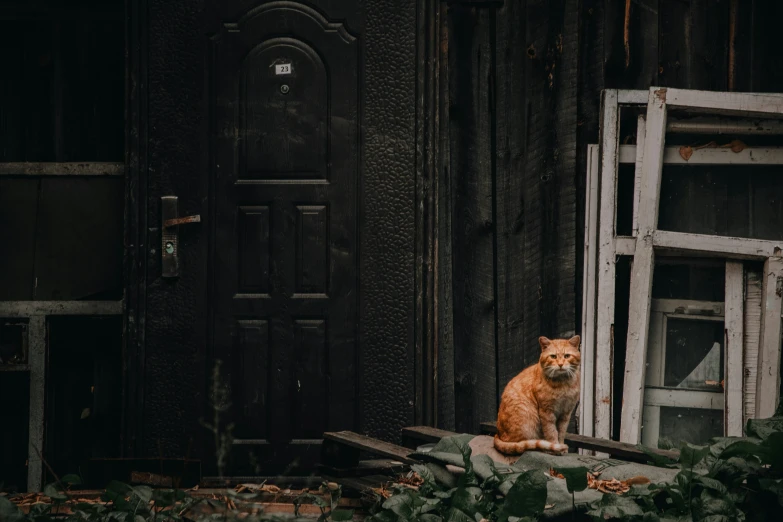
(713,102)
(62,169)
(684,243)
(641,123)
(768,377)
(43,308)
(733,346)
(672,397)
(602,404)
(36,331)
(642,270)
(587,391)
(710,156)
(717,246)
(752,337)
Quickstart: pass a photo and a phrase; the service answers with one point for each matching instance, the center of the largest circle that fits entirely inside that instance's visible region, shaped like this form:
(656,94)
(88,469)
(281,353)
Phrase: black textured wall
(175,330)
(386,233)
(175,336)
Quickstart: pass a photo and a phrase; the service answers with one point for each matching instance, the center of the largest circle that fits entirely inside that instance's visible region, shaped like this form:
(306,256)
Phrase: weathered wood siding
(524,80)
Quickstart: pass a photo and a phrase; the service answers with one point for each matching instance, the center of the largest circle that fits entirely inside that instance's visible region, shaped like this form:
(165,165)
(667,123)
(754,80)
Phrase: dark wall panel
(386,233)
(174,376)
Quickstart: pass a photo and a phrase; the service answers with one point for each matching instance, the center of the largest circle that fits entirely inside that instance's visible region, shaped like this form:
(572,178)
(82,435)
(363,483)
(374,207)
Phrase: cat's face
(560,358)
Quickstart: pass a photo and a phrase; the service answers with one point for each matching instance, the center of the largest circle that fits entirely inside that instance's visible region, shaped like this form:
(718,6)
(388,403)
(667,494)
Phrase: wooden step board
(619,450)
(357,443)
(340,462)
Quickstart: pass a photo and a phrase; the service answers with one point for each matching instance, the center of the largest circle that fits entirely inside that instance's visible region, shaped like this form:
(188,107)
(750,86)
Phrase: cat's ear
(544,342)
(574,341)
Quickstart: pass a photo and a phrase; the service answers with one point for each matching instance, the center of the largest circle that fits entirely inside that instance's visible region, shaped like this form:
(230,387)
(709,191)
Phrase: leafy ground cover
(729,479)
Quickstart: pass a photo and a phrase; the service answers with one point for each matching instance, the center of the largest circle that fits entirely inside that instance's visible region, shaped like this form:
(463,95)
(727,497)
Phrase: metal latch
(169,244)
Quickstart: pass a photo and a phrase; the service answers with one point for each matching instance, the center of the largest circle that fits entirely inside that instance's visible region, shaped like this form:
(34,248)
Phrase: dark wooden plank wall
(513,119)
(524,81)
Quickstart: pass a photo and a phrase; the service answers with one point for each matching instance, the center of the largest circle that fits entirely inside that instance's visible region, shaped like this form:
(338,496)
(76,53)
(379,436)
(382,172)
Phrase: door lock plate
(169,237)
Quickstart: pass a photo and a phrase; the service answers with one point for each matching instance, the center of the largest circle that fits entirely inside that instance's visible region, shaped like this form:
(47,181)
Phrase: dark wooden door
(284,137)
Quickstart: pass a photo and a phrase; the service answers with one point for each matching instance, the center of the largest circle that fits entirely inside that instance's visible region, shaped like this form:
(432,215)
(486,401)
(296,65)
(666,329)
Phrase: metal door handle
(169,243)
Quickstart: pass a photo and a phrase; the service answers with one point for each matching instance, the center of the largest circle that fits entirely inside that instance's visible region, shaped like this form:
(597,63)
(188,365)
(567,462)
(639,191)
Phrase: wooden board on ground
(369,445)
(365,468)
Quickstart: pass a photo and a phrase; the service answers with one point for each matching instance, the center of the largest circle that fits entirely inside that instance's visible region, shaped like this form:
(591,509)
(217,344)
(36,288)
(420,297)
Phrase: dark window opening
(84,391)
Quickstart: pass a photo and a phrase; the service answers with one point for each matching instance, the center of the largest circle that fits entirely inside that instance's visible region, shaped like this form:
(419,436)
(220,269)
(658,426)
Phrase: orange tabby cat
(537,404)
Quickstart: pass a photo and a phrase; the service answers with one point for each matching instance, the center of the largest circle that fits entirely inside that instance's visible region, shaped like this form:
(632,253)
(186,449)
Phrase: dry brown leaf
(737,146)
(686,151)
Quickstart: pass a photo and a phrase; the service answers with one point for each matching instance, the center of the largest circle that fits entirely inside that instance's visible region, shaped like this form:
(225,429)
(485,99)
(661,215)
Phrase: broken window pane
(66,234)
(84,391)
(13,341)
(694,354)
(14,419)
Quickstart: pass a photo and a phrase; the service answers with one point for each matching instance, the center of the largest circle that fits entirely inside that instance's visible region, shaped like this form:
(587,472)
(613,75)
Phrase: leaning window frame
(602,246)
(38,312)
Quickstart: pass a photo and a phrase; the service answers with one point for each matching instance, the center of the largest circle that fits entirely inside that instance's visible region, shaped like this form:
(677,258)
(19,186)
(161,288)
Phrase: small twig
(627,33)
(48,467)
(732,41)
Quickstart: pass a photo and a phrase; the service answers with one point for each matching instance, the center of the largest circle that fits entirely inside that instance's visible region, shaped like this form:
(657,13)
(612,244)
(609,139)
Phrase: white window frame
(656,395)
(602,246)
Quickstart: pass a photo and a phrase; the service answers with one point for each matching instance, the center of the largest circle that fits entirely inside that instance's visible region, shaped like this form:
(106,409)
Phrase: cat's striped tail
(518,448)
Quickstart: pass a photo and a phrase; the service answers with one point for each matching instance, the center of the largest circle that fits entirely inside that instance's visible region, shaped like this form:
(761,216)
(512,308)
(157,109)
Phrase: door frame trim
(135,258)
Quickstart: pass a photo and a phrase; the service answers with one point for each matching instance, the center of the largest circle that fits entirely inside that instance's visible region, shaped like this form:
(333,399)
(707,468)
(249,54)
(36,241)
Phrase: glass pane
(63,87)
(679,279)
(692,425)
(694,354)
(14,419)
(13,341)
(741,201)
(66,236)
(84,391)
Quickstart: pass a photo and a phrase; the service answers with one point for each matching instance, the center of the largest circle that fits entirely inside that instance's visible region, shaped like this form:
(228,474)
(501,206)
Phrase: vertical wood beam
(733,344)
(587,392)
(768,384)
(37,361)
(641,128)
(610,127)
(642,270)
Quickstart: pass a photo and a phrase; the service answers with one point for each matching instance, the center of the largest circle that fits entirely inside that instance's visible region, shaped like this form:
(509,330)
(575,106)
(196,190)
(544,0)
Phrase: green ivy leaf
(691,455)
(465,499)
(455,515)
(340,515)
(71,479)
(763,428)
(712,484)
(656,459)
(576,478)
(615,507)
(51,492)
(9,511)
(527,497)
(709,507)
(401,505)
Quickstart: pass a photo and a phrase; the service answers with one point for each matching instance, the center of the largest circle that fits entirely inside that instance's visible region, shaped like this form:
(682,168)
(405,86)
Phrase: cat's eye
(553,356)
(567,355)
